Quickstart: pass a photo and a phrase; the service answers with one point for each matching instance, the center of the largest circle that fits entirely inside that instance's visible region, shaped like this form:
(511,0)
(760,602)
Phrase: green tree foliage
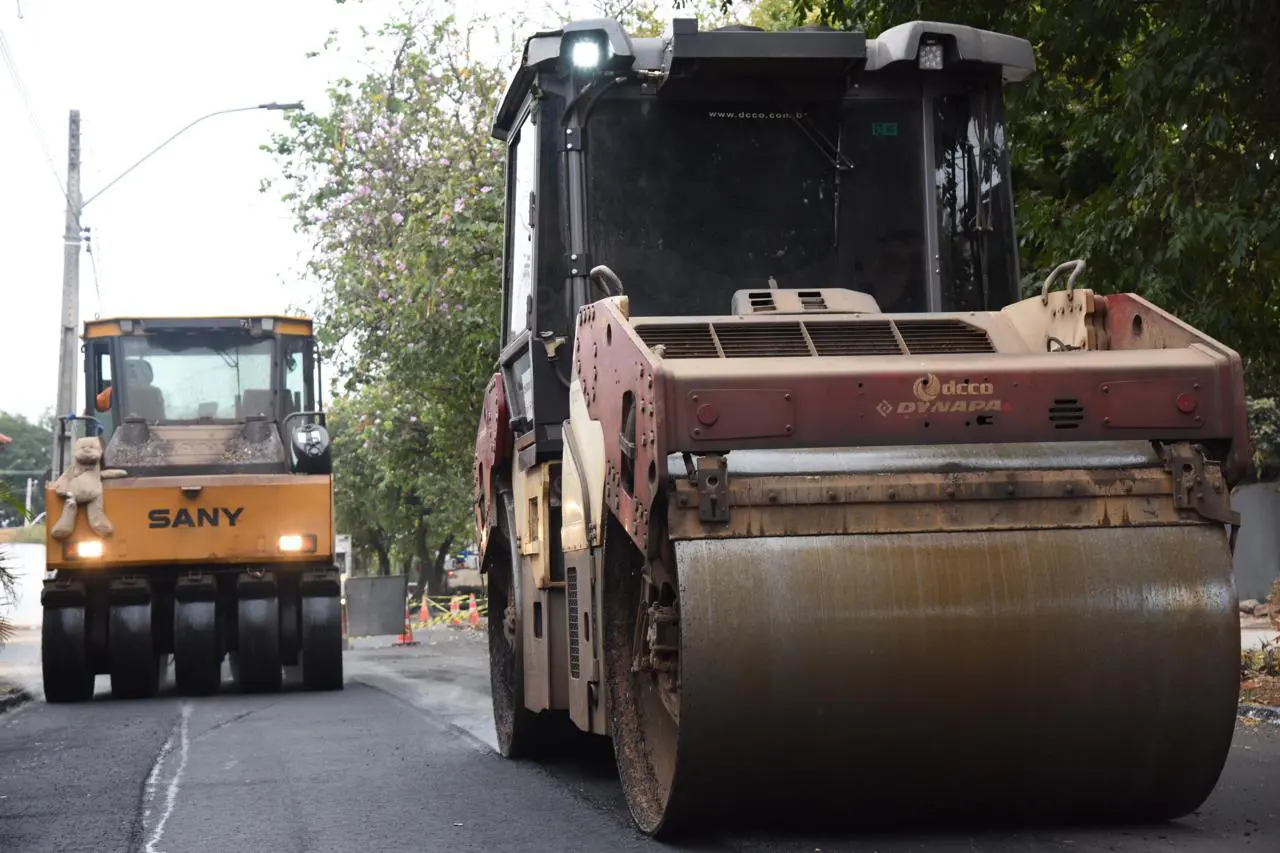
(399,185)
(30,451)
(9,502)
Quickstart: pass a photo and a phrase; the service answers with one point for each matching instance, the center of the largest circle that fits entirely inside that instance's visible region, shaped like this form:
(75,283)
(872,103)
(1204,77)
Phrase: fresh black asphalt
(402,759)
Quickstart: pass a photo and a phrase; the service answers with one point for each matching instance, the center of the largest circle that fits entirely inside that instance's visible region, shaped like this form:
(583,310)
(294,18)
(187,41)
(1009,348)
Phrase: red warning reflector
(1186,403)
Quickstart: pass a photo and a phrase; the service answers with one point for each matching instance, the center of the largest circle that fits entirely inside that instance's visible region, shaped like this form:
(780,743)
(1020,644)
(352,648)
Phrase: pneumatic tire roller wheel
(137,668)
(1077,674)
(256,665)
(321,642)
(64,653)
(197,652)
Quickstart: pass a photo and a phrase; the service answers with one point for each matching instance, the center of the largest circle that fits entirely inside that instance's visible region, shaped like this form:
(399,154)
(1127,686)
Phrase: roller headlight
(89,549)
(297,543)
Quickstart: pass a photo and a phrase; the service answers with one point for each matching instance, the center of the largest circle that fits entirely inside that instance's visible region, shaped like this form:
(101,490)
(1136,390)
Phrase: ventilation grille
(938,337)
(756,340)
(1066,414)
(761,300)
(575,650)
(811,300)
(798,339)
(681,341)
(875,338)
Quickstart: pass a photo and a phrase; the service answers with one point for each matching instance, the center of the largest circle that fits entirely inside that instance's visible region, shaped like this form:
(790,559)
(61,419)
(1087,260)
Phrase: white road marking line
(171,795)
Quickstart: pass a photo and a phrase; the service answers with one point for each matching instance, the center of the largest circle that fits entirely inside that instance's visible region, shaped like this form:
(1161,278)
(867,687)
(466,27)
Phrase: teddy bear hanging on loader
(81,486)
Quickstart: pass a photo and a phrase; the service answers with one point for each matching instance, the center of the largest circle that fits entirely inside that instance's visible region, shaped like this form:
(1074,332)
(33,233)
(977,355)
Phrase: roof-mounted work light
(931,56)
(591,47)
(586,52)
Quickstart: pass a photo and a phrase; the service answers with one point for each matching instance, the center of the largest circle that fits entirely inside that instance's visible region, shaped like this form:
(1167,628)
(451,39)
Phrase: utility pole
(70,337)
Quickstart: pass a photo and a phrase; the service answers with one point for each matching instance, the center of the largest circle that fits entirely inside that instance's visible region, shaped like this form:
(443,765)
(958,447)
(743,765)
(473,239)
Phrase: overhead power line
(11,65)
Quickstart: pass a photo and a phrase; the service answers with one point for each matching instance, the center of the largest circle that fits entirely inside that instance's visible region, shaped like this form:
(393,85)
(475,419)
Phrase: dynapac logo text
(202,517)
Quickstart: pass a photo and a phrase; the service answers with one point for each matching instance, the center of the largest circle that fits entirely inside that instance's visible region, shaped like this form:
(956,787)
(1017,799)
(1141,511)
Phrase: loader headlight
(297,543)
(89,549)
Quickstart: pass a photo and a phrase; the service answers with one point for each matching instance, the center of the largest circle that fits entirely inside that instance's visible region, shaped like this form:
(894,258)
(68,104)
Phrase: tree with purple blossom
(395,184)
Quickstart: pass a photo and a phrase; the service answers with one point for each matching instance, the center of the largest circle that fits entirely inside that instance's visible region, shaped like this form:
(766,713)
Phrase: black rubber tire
(197,656)
(64,656)
(135,666)
(321,643)
(290,626)
(256,663)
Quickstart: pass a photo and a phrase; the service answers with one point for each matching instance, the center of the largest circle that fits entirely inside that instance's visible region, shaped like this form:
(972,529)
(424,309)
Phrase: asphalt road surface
(403,759)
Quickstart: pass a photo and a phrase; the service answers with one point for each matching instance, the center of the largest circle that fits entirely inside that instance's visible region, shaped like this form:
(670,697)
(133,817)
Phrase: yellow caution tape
(441,612)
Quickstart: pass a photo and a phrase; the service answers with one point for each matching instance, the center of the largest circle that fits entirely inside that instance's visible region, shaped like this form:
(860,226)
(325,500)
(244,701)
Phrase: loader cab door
(299,380)
(99,385)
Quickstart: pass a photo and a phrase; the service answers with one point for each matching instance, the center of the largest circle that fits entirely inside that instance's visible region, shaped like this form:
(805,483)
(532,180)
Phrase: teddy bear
(81,486)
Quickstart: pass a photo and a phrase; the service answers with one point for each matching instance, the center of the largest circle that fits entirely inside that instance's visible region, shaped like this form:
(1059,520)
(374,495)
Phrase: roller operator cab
(778,461)
(214,533)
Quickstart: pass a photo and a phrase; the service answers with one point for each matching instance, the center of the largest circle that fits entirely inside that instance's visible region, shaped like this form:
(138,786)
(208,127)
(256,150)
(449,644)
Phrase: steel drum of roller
(1043,673)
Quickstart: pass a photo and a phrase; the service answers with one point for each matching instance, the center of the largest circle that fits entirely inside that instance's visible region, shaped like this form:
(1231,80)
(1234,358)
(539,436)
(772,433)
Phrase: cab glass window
(523,158)
(297,376)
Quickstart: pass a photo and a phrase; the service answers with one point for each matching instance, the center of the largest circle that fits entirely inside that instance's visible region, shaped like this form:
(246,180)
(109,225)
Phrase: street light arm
(153,151)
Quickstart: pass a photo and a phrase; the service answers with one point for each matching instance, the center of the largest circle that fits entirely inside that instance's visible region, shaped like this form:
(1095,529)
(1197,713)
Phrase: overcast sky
(188,231)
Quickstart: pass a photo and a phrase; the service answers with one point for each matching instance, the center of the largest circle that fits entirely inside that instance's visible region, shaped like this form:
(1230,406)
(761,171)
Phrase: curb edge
(13,700)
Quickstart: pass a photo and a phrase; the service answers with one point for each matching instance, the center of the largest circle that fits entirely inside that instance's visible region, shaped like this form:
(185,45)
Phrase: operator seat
(257,402)
(143,400)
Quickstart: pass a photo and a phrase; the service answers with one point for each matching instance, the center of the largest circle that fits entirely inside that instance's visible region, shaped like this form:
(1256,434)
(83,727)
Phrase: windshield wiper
(838,161)
(831,152)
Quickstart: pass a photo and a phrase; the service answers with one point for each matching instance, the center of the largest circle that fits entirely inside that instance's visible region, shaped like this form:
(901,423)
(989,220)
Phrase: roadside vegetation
(9,501)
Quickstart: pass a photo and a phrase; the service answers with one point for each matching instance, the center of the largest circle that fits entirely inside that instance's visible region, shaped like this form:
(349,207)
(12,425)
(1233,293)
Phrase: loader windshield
(211,376)
(690,201)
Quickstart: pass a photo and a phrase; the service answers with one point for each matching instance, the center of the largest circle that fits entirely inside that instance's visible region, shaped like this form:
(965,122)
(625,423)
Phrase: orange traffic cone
(455,617)
(473,612)
(406,637)
(424,615)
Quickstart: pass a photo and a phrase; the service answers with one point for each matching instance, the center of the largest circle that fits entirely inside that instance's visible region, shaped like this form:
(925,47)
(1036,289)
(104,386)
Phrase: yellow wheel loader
(208,438)
(785,487)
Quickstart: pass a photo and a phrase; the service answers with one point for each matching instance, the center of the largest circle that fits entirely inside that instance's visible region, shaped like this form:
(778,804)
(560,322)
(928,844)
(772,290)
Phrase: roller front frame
(1135,491)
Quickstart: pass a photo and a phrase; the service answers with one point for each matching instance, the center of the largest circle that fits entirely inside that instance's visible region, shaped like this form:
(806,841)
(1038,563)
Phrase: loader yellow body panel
(231,519)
